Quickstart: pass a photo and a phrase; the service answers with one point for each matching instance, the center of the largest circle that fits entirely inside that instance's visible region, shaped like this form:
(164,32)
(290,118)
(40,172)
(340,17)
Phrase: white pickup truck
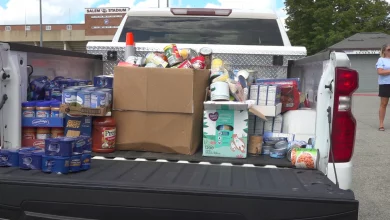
(143,185)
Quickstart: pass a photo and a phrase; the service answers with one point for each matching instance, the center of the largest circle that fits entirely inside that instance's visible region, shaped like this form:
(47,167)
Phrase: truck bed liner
(261,160)
(145,190)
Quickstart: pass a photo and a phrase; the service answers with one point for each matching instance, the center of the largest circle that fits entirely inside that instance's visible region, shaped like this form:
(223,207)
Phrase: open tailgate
(115,189)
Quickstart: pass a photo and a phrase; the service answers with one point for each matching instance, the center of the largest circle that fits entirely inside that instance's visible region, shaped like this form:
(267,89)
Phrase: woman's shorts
(384,90)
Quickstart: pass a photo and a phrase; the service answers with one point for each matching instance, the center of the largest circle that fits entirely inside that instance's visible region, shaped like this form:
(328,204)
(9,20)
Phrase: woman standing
(383,68)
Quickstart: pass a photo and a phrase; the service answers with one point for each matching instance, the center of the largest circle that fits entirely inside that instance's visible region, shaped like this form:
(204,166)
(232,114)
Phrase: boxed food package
(78,126)
(225,129)
(265,94)
(289,92)
(158,109)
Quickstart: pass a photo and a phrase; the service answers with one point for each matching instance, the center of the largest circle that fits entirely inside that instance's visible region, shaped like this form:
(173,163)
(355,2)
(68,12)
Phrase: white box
(271,111)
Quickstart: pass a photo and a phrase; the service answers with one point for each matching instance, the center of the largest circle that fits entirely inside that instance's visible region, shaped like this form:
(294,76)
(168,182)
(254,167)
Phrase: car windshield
(203,30)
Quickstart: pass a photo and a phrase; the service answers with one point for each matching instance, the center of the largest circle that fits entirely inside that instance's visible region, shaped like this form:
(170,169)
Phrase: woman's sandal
(381,129)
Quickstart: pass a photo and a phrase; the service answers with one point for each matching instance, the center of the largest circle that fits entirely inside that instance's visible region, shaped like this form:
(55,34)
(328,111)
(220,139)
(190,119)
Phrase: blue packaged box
(83,145)
(30,159)
(60,146)
(76,126)
(55,164)
(104,81)
(86,161)
(75,163)
(9,158)
(43,122)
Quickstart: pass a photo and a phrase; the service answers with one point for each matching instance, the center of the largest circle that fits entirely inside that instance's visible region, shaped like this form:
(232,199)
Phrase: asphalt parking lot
(371,173)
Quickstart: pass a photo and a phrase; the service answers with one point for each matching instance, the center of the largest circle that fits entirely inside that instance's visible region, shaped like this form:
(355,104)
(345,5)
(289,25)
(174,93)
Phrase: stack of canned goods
(87,97)
(173,57)
(41,133)
(41,109)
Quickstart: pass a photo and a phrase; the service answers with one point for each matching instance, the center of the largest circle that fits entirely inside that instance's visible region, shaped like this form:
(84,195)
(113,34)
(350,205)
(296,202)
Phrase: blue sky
(72,11)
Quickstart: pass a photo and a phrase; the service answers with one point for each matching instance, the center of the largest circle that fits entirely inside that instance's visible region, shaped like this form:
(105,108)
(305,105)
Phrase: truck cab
(147,185)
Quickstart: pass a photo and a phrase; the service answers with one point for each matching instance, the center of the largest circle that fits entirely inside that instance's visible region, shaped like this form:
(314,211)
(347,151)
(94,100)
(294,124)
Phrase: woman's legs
(382,111)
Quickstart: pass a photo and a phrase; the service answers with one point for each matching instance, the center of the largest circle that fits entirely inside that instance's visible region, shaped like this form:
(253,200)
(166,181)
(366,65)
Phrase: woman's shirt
(383,63)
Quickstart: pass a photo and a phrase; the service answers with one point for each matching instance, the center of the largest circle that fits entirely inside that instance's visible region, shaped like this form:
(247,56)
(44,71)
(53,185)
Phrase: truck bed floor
(261,160)
(114,189)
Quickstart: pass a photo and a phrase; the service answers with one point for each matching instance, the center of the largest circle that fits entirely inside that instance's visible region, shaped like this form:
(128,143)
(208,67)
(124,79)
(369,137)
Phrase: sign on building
(106,10)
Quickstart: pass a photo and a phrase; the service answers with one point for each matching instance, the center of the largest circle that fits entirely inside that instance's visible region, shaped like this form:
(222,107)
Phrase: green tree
(318,24)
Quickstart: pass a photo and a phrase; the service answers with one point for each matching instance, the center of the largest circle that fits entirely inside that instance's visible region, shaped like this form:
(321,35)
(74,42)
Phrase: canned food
(43,133)
(151,65)
(98,99)
(265,150)
(188,53)
(57,132)
(29,133)
(207,53)
(278,153)
(75,163)
(84,98)
(69,96)
(185,65)
(198,63)
(55,164)
(172,54)
(281,145)
(109,96)
(305,158)
(289,152)
(155,59)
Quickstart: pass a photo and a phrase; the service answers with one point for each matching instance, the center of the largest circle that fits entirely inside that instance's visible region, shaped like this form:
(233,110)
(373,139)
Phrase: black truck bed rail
(148,190)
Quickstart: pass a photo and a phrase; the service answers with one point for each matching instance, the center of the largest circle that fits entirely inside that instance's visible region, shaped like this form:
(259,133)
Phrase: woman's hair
(384,49)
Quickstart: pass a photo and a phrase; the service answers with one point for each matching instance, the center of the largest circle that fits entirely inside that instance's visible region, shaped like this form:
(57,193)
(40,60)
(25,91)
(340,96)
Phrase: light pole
(40,23)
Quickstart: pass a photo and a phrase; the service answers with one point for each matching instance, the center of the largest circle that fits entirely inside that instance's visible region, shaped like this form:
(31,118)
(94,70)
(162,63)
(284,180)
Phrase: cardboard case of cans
(60,155)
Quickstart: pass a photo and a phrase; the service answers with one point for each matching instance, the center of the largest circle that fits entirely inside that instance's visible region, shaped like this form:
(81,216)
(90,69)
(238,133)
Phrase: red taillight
(344,124)
(201,11)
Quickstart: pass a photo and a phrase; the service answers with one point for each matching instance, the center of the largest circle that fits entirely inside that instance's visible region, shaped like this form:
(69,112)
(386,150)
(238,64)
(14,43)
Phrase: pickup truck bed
(114,190)
(261,160)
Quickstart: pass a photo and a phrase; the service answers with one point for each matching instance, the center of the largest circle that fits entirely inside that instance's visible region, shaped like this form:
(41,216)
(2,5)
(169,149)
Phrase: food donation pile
(160,102)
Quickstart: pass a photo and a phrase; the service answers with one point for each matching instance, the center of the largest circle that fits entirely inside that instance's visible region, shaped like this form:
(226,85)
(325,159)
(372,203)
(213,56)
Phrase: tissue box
(225,129)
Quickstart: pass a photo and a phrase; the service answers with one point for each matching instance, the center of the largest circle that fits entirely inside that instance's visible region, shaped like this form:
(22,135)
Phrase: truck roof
(233,13)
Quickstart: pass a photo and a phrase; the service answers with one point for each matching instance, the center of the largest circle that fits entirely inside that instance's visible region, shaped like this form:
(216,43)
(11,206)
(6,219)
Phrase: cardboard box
(78,110)
(43,122)
(225,129)
(159,110)
(270,111)
(78,125)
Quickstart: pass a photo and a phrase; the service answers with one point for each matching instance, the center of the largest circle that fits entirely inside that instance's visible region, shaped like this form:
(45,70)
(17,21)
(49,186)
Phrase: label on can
(185,65)
(155,59)
(305,158)
(109,136)
(98,99)
(28,113)
(198,63)
(172,54)
(69,97)
(84,99)
(56,114)
(43,113)
(43,136)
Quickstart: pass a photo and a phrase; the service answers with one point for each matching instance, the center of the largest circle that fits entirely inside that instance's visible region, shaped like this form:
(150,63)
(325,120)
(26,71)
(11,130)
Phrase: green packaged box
(225,129)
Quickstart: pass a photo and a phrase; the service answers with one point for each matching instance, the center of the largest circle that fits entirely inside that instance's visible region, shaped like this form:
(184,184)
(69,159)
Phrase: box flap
(155,89)
(225,105)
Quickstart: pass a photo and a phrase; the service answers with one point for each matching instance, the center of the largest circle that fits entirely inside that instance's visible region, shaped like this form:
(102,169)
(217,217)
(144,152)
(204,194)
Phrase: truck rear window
(203,30)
